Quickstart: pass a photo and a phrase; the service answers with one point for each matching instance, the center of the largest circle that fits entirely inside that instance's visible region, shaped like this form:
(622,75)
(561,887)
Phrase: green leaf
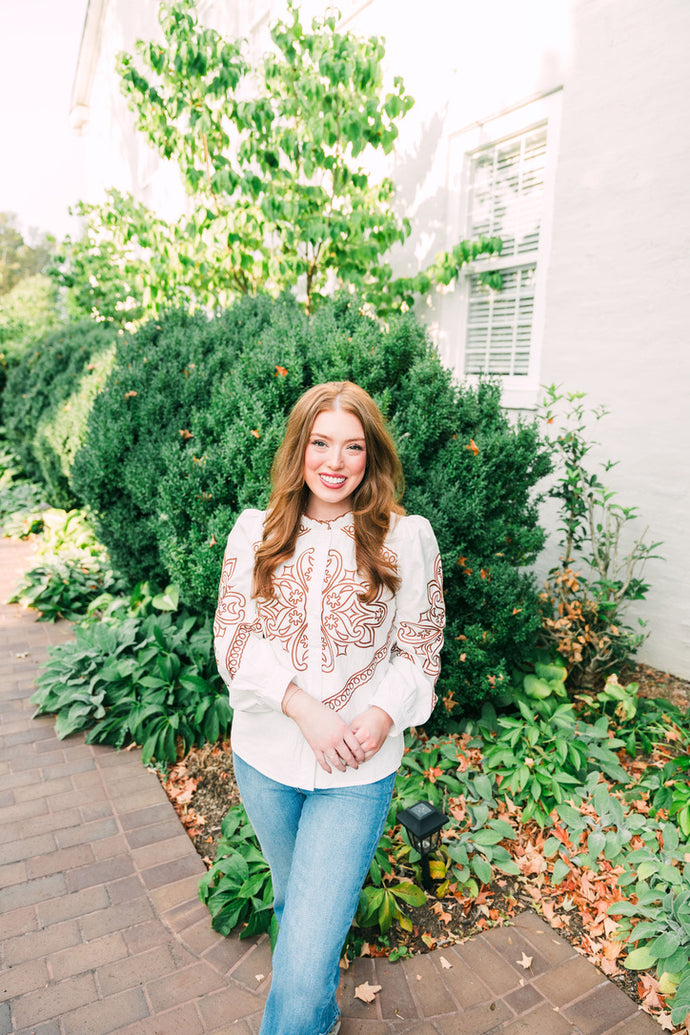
(552,671)
(640,959)
(560,872)
(664,946)
(386,912)
(595,843)
(482,784)
(168,600)
(536,688)
(488,836)
(410,893)
(482,868)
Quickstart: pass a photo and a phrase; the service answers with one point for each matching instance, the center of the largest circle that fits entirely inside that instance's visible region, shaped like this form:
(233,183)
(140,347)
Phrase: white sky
(39,167)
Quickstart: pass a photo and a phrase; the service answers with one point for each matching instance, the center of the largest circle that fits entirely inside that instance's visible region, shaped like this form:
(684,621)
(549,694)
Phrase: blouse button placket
(322,537)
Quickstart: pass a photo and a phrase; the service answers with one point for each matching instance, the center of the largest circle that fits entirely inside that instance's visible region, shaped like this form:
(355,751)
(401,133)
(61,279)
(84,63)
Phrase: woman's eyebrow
(327,438)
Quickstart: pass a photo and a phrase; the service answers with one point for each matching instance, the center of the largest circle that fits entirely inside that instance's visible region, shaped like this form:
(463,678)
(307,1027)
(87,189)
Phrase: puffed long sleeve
(406,690)
(254,667)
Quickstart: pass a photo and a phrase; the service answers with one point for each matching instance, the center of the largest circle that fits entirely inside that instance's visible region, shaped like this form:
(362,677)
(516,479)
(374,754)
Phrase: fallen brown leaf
(525,961)
(367,992)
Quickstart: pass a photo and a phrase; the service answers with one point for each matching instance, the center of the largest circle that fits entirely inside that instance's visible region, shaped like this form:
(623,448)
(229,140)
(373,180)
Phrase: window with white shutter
(501,185)
(506,200)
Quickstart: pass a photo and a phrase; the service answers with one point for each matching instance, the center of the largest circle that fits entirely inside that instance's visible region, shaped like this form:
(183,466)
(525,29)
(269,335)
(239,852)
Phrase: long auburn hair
(373,501)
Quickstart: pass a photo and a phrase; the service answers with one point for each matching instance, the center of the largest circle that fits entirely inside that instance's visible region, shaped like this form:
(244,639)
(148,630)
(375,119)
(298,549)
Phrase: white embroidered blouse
(317,633)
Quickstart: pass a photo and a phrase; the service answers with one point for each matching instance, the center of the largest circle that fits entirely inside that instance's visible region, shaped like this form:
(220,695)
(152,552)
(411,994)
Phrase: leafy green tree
(18,259)
(28,312)
(274,160)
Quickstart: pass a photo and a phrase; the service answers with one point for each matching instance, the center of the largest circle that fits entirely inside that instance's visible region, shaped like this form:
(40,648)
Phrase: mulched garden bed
(202,788)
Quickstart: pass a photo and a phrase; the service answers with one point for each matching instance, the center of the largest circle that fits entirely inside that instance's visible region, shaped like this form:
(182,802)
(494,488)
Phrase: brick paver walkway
(102,930)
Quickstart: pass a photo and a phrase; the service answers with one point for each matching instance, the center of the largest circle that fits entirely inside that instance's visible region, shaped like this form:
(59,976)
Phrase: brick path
(102,930)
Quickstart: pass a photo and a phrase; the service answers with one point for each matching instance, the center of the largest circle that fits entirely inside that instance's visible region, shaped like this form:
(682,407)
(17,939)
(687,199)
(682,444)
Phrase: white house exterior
(560,125)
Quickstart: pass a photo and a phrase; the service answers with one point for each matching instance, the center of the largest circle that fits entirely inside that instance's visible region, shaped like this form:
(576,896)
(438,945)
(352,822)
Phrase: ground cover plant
(607,866)
(140,671)
(73,570)
(21,499)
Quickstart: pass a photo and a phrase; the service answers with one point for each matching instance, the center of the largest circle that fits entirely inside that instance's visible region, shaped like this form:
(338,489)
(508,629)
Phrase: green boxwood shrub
(47,398)
(161,375)
(168,470)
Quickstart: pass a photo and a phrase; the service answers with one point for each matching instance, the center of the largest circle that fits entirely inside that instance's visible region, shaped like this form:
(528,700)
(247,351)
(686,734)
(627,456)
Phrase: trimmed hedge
(47,399)
(182,437)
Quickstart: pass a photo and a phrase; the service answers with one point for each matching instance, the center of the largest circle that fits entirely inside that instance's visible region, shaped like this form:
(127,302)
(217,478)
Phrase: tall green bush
(47,398)
(160,376)
(182,438)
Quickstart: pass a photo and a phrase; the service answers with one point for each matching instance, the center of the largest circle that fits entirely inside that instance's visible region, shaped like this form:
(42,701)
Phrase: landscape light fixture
(423,824)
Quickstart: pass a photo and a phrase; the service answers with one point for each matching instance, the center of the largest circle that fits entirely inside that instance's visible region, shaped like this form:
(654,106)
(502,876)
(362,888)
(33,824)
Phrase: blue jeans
(319,845)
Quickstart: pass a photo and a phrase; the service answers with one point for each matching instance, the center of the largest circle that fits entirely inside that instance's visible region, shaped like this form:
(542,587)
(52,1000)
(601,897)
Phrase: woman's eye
(318,442)
(356,448)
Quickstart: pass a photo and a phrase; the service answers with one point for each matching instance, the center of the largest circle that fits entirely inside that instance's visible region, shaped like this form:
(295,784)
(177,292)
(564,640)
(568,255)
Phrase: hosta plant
(237,889)
(138,674)
(73,570)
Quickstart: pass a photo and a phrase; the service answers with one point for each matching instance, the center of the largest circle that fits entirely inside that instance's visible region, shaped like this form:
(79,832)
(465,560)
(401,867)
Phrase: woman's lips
(333,481)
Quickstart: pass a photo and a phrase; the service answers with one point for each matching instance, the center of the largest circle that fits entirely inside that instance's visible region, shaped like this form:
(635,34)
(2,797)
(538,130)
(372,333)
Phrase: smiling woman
(328,632)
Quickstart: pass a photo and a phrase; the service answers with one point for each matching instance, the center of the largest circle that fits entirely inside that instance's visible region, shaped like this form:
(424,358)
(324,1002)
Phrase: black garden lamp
(423,824)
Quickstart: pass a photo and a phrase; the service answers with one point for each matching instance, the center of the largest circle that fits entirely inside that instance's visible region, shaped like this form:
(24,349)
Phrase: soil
(202,788)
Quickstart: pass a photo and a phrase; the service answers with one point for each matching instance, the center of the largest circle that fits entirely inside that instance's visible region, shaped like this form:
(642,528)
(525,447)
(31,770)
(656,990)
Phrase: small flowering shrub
(182,438)
(603,553)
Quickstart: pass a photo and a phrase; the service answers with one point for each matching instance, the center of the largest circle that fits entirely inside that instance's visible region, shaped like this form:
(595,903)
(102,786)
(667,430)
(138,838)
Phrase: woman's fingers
(353,743)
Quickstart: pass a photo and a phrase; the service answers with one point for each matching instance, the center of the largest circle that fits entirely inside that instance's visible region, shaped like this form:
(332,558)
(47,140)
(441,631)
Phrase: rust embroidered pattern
(231,611)
(397,651)
(388,555)
(284,617)
(345,620)
(425,636)
(338,701)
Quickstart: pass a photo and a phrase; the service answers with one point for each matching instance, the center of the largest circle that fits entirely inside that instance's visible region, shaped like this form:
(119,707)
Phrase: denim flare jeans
(319,845)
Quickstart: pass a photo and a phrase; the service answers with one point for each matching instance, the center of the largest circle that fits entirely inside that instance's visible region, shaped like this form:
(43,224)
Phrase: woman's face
(334,463)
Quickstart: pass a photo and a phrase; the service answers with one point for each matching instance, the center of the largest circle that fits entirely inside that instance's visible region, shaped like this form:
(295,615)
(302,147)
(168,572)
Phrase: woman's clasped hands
(333,742)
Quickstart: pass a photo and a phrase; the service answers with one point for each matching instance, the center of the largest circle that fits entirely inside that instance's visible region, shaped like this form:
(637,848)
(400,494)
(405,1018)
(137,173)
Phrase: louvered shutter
(506,200)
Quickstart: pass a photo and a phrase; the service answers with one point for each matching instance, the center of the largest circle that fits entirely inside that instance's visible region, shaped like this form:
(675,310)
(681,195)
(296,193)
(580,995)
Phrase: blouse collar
(339,522)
